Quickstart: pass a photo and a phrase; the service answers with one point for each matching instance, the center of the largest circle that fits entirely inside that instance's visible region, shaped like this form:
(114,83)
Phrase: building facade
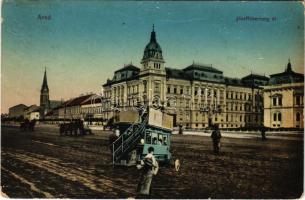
(32,112)
(284,100)
(197,96)
(17,111)
(86,107)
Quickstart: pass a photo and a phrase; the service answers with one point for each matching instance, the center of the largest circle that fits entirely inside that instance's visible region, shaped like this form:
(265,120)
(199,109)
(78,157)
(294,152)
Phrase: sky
(82,43)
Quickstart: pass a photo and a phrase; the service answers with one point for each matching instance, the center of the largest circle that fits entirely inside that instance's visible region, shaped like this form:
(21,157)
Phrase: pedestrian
(113,137)
(117,131)
(180,129)
(263,132)
(216,135)
(149,167)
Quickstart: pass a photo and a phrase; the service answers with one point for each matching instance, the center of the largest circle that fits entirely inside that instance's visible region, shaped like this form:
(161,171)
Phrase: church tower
(44,95)
(152,61)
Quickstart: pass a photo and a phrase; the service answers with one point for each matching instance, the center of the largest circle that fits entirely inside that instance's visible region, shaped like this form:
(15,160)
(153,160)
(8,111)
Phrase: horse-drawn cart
(74,128)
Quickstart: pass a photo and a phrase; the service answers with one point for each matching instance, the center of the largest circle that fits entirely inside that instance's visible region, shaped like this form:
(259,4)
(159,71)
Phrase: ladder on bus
(129,139)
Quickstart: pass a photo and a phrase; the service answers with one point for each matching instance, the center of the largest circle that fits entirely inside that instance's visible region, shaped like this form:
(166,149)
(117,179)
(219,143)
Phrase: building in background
(86,107)
(17,111)
(197,96)
(32,112)
(284,100)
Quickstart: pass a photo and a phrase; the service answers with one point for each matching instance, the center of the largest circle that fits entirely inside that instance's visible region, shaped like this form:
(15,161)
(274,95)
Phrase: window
(298,117)
(274,116)
(181,91)
(280,101)
(168,89)
(157,87)
(145,86)
(298,100)
(165,142)
(274,101)
(279,117)
(175,90)
(148,137)
(154,138)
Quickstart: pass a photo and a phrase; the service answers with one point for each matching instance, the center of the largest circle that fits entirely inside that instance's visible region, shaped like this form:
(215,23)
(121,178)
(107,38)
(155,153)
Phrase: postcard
(152,99)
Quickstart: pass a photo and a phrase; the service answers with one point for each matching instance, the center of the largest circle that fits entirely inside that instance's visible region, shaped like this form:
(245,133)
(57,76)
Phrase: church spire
(45,82)
(153,35)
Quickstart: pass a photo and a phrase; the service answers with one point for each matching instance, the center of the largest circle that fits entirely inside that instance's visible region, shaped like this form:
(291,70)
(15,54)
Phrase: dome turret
(152,49)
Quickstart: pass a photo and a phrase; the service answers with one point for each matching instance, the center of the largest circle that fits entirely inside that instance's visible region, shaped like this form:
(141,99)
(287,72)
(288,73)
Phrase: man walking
(149,167)
(216,139)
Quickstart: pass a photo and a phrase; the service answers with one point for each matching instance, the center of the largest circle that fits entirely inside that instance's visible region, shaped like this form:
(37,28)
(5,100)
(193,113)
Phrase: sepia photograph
(152,99)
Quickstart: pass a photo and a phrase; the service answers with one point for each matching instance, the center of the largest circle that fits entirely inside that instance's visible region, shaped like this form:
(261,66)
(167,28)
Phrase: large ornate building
(197,96)
(284,100)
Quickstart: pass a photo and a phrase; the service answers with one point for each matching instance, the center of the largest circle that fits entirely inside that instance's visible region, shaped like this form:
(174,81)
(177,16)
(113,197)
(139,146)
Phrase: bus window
(148,137)
(155,138)
(160,139)
(164,140)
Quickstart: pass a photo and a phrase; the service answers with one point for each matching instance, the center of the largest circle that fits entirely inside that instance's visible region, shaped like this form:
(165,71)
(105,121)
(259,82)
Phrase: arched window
(274,116)
(279,117)
(298,117)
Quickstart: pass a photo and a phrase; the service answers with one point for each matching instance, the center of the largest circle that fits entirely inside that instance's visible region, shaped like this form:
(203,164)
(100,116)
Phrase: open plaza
(44,164)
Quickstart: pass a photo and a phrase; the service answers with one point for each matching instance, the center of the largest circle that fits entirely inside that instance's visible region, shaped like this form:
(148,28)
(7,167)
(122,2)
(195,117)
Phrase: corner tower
(152,61)
(44,94)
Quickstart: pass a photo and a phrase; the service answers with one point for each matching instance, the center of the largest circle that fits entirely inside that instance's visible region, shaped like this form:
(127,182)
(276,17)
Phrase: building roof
(176,73)
(202,67)
(233,81)
(256,76)
(110,82)
(19,105)
(288,76)
(153,49)
(75,101)
(128,67)
(92,100)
